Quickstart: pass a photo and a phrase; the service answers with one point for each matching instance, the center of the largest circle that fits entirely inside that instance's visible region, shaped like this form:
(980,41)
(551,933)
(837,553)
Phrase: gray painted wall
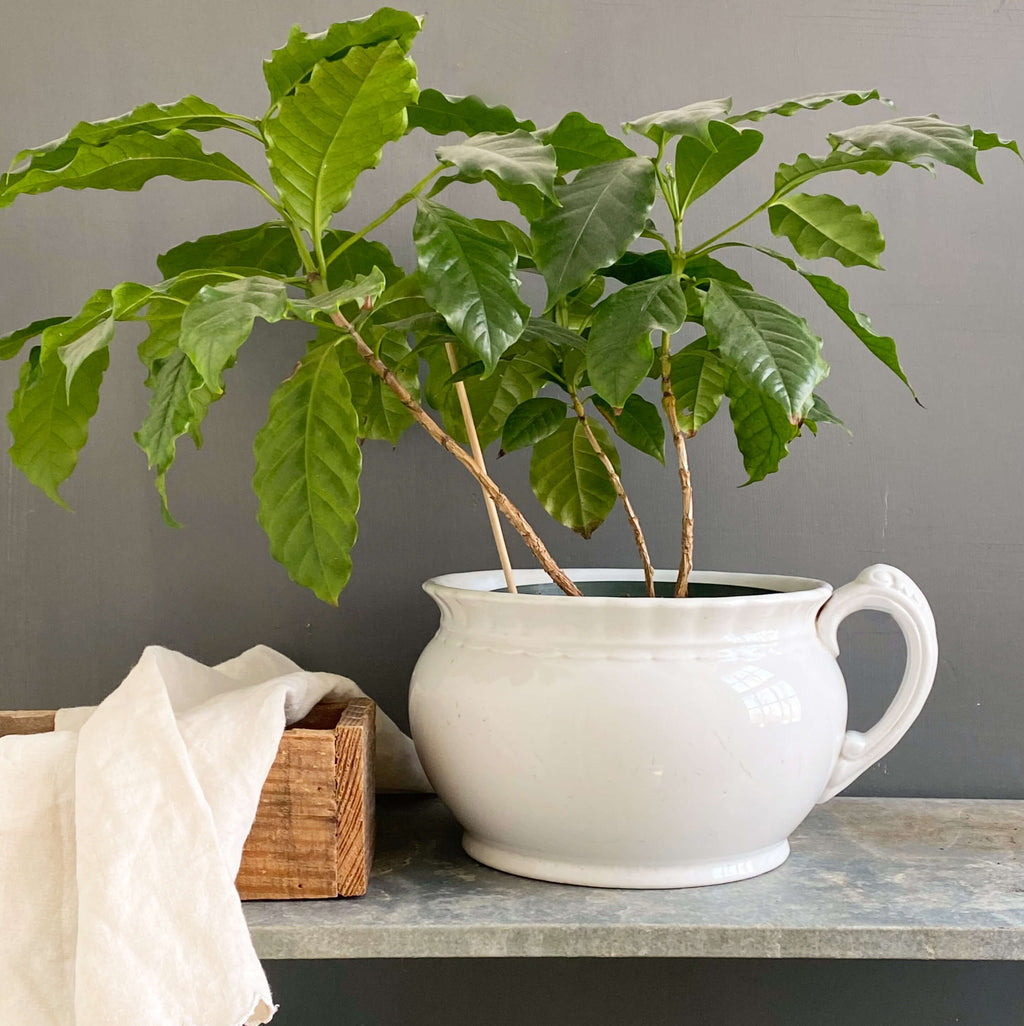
(937,492)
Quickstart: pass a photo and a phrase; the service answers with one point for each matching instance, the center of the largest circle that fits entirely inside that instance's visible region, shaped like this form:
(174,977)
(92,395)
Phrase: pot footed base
(687,874)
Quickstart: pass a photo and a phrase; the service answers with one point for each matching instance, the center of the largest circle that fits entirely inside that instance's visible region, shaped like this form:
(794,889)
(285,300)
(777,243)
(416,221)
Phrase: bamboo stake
(509,510)
(478,455)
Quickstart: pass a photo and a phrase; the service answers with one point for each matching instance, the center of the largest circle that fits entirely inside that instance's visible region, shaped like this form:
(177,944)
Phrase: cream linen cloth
(120,838)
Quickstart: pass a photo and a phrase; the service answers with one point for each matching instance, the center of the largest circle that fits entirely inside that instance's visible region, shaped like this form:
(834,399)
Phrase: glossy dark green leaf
(125,164)
(357,257)
(532,421)
(786,108)
(569,479)
(307,474)
(505,231)
(294,62)
(691,120)
(440,114)
(638,423)
(706,267)
(699,379)
(382,416)
(220,319)
(554,334)
(837,299)
(769,348)
(514,158)
(580,142)
(700,165)
(914,139)
(619,350)
(603,209)
(365,289)
(50,423)
(519,377)
(825,226)
(12,344)
(267,246)
(469,278)
(176,408)
(633,267)
(329,130)
(762,427)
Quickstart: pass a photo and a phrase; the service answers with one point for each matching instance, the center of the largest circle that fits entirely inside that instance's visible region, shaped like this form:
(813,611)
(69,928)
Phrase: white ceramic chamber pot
(649,742)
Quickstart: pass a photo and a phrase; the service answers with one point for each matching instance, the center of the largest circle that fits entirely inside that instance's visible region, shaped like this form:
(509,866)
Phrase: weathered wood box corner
(314,829)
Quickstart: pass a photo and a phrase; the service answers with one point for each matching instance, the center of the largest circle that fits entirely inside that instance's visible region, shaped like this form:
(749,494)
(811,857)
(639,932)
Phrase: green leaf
(602,211)
(190,114)
(825,226)
(125,163)
(505,231)
(699,380)
(440,115)
(990,141)
(12,344)
(333,127)
(358,257)
(837,299)
(492,398)
(786,108)
(638,424)
(294,61)
(381,414)
(770,349)
(532,421)
(220,319)
(49,424)
(762,427)
(580,142)
(633,267)
(365,287)
(269,247)
(469,278)
(707,267)
(701,165)
(910,140)
(619,350)
(821,412)
(804,168)
(569,479)
(515,158)
(307,474)
(691,120)
(176,408)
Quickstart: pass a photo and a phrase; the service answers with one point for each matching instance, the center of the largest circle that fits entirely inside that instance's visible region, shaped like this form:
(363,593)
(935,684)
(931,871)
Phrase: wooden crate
(314,828)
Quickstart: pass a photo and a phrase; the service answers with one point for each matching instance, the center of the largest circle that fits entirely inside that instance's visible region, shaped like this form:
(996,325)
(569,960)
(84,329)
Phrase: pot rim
(486,585)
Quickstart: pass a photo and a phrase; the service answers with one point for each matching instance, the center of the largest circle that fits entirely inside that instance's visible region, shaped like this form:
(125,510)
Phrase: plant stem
(620,490)
(510,511)
(668,401)
(478,455)
(402,200)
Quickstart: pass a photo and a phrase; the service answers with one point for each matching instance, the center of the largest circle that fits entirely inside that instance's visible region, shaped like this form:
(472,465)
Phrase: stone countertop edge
(869,878)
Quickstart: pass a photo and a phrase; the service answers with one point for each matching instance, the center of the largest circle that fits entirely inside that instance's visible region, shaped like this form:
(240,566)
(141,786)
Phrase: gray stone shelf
(868,878)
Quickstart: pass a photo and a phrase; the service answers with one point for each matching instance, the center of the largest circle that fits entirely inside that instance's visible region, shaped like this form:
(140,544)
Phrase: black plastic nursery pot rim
(716,588)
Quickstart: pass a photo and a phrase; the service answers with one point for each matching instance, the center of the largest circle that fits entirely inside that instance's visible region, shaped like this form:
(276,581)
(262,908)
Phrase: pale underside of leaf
(825,226)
